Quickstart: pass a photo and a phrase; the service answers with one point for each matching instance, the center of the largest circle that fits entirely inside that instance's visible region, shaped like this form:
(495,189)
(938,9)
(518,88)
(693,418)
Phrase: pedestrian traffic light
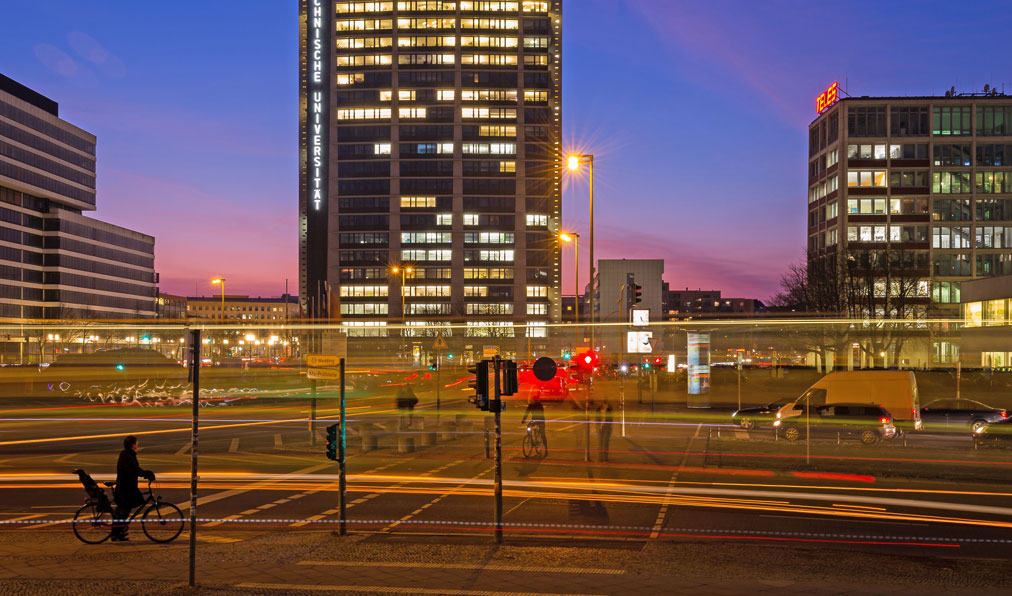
(510,383)
(433,365)
(567,355)
(332,442)
(637,294)
(480,385)
(646,365)
(450,355)
(658,361)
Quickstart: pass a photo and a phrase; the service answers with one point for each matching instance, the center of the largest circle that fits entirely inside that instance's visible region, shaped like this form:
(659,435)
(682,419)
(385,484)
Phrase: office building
(430,164)
(685,303)
(55,262)
(911,196)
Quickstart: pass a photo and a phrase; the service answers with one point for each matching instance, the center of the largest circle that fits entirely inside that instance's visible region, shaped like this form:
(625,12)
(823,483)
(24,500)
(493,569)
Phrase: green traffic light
(646,366)
(566,355)
(450,356)
(120,367)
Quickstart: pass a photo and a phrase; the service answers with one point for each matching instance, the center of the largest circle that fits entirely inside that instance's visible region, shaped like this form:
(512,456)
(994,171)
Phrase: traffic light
(646,365)
(450,355)
(332,442)
(510,384)
(567,355)
(658,361)
(120,367)
(480,385)
(637,294)
(433,365)
(588,360)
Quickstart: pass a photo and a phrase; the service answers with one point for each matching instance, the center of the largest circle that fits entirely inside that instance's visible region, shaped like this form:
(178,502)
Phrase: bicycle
(534,442)
(93,523)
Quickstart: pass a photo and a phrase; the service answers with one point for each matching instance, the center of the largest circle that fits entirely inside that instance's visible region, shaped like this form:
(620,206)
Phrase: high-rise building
(911,196)
(55,262)
(430,163)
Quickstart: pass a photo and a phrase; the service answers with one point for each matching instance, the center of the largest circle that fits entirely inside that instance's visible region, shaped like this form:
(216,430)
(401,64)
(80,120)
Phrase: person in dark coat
(605,420)
(536,414)
(127,494)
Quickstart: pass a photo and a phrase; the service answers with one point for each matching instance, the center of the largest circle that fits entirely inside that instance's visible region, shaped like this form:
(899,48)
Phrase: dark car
(749,418)
(959,415)
(865,422)
(998,434)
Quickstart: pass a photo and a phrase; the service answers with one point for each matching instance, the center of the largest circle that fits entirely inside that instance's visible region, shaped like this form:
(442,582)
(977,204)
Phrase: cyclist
(126,492)
(536,414)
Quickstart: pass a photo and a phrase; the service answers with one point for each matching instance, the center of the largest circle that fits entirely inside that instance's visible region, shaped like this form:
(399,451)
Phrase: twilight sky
(697,113)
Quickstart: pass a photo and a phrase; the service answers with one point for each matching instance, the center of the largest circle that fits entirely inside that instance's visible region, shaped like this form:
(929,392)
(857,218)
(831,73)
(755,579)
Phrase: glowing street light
(575,239)
(221,281)
(573,162)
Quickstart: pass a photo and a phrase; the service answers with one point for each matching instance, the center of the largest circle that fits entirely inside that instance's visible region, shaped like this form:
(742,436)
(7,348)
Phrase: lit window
(424,23)
(534,220)
(490,6)
(406,95)
(475,291)
(489,59)
(417,202)
(420,5)
(425,59)
(445,94)
(381,148)
(430,41)
(509,24)
(343,7)
(470,219)
(537,291)
(535,42)
(537,308)
(535,96)
(536,60)
(358,43)
(507,167)
(535,6)
(411,112)
(363,24)
(497,130)
(365,60)
(487,41)
(349,79)
(444,219)
(425,238)
(386,95)
(488,95)
(364,291)
(363,113)
(490,113)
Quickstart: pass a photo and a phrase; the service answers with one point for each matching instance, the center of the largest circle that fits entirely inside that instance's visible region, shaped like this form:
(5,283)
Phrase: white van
(895,390)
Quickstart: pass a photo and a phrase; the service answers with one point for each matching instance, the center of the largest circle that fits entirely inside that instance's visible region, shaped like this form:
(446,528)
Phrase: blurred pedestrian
(605,423)
(405,402)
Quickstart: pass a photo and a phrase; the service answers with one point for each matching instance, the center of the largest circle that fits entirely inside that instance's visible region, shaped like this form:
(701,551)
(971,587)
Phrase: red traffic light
(658,360)
(588,360)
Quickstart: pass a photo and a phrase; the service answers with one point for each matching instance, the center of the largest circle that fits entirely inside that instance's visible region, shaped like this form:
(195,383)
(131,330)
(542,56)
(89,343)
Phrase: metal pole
(342,479)
(195,376)
(312,412)
(576,282)
(592,317)
(621,363)
(439,365)
(959,371)
(498,452)
(808,431)
(586,418)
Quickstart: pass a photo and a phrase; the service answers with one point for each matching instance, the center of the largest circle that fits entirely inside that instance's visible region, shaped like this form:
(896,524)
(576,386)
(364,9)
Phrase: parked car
(959,414)
(895,390)
(750,418)
(998,434)
(867,423)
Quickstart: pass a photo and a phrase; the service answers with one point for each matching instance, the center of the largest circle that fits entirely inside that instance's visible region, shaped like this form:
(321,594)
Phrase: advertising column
(698,370)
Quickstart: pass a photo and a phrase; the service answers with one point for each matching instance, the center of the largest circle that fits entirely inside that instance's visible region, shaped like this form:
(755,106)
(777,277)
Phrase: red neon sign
(826,98)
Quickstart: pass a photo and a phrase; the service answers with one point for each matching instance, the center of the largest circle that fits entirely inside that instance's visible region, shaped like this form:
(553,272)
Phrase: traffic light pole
(439,365)
(312,413)
(498,451)
(195,379)
(341,479)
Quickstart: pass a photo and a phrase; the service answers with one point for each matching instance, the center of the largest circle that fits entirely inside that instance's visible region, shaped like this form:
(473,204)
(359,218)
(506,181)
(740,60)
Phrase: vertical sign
(315,78)
(698,370)
(316,121)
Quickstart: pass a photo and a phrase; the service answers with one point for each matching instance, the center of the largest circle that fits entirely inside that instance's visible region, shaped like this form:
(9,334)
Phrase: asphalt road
(670,475)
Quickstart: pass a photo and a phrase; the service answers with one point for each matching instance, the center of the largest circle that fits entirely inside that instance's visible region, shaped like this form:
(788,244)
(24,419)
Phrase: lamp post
(575,239)
(573,162)
(403,270)
(221,281)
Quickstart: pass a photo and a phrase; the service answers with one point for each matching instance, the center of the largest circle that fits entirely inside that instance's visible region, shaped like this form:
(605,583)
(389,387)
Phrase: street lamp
(573,162)
(575,239)
(404,270)
(221,281)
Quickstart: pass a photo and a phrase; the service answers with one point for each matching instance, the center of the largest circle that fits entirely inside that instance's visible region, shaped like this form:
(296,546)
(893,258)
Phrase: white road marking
(659,523)
(233,446)
(395,590)
(489,566)
(184,449)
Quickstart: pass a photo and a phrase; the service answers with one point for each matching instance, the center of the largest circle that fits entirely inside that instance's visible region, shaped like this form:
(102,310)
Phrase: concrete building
(431,164)
(170,307)
(611,278)
(708,303)
(259,311)
(985,338)
(915,192)
(55,262)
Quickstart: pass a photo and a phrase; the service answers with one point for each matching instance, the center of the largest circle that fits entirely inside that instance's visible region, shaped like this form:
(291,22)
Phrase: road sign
(440,343)
(322,360)
(545,369)
(638,342)
(323,374)
(640,317)
(489,351)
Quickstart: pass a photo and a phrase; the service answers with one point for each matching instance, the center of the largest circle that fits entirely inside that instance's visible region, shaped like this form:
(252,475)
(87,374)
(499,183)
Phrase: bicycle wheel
(92,525)
(162,522)
(537,444)
(528,445)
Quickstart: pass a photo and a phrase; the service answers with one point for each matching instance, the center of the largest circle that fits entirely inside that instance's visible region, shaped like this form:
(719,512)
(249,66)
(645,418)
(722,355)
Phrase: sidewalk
(319,562)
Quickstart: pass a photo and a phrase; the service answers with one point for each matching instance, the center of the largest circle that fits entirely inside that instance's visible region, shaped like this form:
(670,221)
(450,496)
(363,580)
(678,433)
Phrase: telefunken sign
(316,103)
(826,98)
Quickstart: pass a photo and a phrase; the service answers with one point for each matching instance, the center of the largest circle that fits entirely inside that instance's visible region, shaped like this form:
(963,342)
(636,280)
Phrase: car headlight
(981,430)
(776,422)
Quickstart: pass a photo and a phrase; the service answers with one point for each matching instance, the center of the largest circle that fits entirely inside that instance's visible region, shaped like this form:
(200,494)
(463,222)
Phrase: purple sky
(697,113)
